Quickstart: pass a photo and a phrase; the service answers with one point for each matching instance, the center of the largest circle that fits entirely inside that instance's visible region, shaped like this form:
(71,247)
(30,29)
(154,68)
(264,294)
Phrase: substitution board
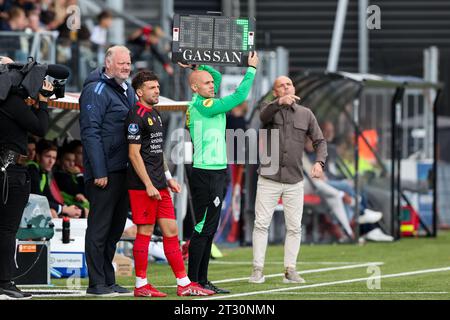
(215,40)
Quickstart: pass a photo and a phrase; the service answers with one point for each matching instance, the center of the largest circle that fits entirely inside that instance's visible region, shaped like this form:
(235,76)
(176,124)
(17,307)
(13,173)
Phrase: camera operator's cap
(58,71)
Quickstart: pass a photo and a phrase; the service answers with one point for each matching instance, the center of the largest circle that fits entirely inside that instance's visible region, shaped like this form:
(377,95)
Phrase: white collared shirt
(123,85)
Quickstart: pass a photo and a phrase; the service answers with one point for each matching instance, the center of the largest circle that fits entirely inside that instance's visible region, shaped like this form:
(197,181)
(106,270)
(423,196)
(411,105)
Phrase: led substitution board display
(215,40)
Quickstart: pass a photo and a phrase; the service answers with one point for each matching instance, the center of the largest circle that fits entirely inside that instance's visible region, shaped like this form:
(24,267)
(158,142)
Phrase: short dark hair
(105,14)
(47,17)
(73,145)
(44,146)
(141,77)
(62,151)
(31,140)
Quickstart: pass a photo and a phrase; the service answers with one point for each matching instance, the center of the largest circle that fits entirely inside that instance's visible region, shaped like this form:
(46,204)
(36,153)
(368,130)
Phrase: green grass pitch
(409,269)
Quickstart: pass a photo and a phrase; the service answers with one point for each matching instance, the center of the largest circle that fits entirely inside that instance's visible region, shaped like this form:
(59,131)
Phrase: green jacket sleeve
(214,106)
(217,77)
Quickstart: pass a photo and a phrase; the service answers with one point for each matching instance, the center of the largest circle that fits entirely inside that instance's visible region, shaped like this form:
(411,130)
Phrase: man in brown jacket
(292,123)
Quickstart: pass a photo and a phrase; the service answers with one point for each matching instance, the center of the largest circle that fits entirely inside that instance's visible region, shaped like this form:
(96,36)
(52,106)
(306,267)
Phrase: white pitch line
(394,275)
(281,262)
(38,293)
(301,272)
(375,292)
(50,290)
(307,271)
(77,295)
(267,276)
(57,294)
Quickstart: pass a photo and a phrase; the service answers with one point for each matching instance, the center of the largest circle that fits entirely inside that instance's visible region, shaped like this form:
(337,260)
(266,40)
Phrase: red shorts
(146,210)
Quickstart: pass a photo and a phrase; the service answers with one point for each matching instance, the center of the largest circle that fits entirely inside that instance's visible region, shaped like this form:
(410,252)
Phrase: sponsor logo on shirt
(133,128)
(150,122)
(188,118)
(208,103)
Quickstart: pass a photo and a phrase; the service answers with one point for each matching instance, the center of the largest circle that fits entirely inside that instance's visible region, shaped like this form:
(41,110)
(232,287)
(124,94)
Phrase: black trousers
(10,216)
(207,187)
(106,221)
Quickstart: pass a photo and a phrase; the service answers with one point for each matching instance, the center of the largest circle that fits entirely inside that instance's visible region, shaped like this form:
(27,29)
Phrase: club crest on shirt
(216,201)
(150,122)
(133,128)
(208,103)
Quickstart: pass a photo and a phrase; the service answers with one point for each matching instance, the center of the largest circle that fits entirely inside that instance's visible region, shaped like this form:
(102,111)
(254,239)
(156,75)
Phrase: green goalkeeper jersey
(206,120)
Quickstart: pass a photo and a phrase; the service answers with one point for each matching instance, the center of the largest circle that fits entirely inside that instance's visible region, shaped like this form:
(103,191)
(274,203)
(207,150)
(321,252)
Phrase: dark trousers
(207,187)
(10,216)
(106,221)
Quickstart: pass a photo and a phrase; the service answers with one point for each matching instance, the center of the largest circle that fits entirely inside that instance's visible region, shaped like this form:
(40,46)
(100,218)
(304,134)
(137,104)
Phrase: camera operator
(18,118)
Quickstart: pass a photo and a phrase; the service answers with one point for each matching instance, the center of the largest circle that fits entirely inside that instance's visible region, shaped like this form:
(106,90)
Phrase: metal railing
(21,45)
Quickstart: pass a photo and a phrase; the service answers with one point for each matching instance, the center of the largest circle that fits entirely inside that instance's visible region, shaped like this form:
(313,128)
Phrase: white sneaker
(257,276)
(292,276)
(378,235)
(370,216)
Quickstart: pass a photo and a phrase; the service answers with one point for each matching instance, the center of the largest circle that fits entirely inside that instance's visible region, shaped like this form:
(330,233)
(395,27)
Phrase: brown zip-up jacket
(294,123)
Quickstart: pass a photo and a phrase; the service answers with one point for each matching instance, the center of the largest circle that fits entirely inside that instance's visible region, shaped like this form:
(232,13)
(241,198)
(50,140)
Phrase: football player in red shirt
(148,182)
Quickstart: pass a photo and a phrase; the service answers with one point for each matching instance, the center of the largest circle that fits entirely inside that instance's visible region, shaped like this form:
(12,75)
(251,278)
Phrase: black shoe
(9,291)
(101,291)
(208,285)
(118,289)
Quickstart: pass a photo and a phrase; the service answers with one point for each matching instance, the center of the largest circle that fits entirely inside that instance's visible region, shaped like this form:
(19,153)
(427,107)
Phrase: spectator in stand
(26,5)
(69,34)
(58,10)
(31,148)
(334,176)
(148,38)
(34,22)
(14,46)
(99,35)
(47,14)
(17,20)
(70,180)
(5,6)
(236,117)
(76,147)
(42,182)
(337,180)
(338,201)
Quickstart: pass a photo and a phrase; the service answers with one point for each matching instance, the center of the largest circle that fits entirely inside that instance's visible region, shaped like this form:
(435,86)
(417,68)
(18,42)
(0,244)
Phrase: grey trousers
(267,196)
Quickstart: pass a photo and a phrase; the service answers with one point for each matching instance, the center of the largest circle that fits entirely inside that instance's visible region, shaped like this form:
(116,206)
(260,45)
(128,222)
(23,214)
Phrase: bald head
(5,60)
(118,63)
(202,82)
(281,79)
(283,86)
